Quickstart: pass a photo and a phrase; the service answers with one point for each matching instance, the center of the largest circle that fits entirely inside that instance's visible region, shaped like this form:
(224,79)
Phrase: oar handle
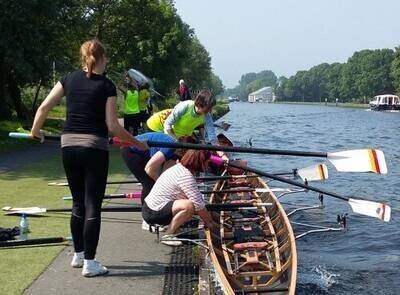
(31,137)
(234,149)
(292,182)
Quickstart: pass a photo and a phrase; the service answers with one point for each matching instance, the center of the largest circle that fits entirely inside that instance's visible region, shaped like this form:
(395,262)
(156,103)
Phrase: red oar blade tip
(366,160)
(369,208)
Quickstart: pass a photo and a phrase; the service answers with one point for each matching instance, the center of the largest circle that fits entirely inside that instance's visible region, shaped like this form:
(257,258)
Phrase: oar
(366,160)
(31,242)
(137,195)
(56,183)
(364,207)
(312,173)
(19,135)
(38,210)
(211,207)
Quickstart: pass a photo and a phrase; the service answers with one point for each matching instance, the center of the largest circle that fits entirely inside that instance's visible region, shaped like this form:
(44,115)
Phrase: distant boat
(387,102)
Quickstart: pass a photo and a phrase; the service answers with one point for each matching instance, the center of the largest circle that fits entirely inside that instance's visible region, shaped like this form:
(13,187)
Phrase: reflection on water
(366,259)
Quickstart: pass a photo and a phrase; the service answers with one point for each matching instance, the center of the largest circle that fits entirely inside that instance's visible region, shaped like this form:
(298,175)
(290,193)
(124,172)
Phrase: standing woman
(91,113)
(132,115)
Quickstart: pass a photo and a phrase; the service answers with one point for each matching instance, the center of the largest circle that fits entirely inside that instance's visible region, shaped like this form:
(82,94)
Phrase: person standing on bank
(183,91)
(144,103)
(91,113)
(132,115)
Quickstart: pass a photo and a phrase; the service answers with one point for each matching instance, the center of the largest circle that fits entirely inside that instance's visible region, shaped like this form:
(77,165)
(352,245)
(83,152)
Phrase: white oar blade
(28,210)
(313,173)
(367,160)
(373,209)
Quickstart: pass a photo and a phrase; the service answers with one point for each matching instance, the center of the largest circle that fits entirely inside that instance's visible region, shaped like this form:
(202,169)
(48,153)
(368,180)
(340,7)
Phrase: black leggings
(86,170)
(132,123)
(136,164)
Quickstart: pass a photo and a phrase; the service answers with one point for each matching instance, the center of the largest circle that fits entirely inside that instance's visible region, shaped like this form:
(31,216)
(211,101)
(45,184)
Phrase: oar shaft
(292,182)
(234,149)
(41,241)
(104,209)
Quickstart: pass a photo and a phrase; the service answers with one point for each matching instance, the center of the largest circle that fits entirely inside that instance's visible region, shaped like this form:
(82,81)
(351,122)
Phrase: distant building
(265,94)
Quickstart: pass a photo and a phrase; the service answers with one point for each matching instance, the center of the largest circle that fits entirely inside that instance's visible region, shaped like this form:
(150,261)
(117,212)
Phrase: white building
(265,94)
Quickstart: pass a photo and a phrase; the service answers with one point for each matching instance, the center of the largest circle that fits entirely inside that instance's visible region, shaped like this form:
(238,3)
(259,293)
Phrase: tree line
(251,82)
(40,41)
(365,74)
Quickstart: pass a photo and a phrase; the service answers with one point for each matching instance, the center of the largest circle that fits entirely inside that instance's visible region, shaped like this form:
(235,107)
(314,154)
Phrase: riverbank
(329,104)
(26,187)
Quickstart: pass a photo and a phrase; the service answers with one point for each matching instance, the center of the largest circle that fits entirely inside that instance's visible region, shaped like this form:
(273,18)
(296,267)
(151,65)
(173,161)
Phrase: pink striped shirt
(176,183)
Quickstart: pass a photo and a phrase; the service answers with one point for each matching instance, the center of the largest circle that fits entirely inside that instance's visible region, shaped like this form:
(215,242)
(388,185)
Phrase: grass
(25,187)
(7,144)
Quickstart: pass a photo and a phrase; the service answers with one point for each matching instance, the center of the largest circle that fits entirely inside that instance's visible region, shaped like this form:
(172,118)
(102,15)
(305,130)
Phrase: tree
(395,69)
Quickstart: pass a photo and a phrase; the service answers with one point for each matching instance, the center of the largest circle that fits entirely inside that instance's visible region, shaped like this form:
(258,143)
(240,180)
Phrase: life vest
(144,96)
(184,126)
(156,121)
(131,105)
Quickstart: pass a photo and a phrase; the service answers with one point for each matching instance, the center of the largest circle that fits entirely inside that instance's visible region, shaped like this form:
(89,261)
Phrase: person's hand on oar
(38,135)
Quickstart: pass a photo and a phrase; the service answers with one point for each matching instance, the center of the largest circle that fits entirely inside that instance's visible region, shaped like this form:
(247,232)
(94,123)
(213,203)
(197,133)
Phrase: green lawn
(27,186)
(7,144)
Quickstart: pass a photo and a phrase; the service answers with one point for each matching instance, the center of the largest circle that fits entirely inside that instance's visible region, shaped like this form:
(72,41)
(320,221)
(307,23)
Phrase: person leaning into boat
(132,115)
(147,165)
(91,113)
(186,117)
(175,197)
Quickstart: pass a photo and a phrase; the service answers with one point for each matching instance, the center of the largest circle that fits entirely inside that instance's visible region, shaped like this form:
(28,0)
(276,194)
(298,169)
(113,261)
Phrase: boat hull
(253,253)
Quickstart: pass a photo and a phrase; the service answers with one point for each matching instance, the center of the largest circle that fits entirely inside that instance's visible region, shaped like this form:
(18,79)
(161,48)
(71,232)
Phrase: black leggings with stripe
(86,170)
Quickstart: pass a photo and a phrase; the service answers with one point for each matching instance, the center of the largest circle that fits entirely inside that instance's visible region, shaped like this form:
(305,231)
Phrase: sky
(286,36)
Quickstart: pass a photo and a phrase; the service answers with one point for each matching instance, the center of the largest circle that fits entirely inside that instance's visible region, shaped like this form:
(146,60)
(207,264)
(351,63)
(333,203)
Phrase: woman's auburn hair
(91,51)
(205,99)
(195,160)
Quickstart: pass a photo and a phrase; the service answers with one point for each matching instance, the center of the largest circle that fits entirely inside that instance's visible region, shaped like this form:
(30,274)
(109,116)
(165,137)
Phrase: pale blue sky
(288,35)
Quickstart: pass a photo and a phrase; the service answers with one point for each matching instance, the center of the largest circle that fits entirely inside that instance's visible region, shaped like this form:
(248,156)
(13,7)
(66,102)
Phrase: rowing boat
(253,251)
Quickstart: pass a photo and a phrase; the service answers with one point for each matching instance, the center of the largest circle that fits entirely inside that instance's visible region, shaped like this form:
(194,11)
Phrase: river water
(366,258)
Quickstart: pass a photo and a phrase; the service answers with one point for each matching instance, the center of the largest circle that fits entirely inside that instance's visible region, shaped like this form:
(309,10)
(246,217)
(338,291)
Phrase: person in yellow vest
(144,100)
(186,116)
(131,106)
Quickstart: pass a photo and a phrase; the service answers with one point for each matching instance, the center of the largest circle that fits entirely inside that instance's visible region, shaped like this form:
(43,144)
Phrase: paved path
(136,262)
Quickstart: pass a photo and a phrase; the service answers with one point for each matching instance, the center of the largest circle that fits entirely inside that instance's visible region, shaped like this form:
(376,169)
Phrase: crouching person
(175,197)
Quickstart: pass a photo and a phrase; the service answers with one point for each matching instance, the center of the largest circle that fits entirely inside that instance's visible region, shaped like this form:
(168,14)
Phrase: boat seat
(248,232)
(250,245)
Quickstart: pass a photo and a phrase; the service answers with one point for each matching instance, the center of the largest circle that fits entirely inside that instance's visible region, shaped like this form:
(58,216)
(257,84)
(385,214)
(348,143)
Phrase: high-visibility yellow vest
(144,96)
(131,105)
(156,121)
(184,126)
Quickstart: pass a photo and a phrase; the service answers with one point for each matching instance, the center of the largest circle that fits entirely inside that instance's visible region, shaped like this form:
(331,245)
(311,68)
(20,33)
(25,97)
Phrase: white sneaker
(163,228)
(145,226)
(92,268)
(170,240)
(77,260)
